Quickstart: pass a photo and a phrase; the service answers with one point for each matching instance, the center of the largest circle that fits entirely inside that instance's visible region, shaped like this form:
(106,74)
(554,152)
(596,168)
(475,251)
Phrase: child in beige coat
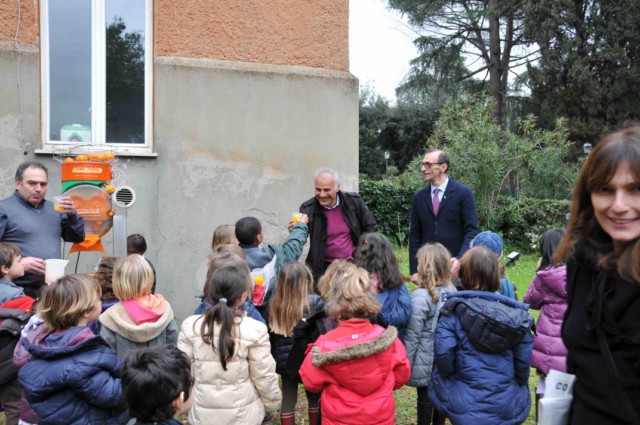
(235,375)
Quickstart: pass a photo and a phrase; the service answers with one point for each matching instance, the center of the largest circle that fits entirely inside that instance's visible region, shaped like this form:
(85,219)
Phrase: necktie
(436,201)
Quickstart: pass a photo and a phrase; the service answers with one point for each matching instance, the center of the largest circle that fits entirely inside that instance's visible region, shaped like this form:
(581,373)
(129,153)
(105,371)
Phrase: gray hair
(30,164)
(327,170)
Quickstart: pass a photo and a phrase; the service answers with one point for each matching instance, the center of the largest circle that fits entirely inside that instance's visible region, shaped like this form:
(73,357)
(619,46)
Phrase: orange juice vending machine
(87,177)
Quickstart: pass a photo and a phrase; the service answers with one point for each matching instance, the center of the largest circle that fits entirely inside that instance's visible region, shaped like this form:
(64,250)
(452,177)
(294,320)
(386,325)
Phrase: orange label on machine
(86,170)
(92,208)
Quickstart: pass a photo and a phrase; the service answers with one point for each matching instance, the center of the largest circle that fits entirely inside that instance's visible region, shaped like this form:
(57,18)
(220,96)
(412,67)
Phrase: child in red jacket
(357,365)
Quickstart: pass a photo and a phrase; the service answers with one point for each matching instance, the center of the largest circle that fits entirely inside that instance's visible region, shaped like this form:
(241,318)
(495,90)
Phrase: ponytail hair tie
(223,300)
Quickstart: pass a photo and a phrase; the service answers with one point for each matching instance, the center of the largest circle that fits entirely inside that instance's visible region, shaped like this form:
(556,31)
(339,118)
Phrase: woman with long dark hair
(601,248)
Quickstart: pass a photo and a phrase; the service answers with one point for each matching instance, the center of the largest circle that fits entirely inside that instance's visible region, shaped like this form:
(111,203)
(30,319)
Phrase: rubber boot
(288,418)
(314,416)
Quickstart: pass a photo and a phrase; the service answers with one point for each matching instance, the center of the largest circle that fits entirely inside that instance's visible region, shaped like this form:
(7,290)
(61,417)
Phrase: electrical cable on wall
(25,147)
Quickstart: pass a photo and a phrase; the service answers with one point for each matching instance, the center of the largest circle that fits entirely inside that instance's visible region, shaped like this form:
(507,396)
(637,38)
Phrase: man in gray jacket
(30,222)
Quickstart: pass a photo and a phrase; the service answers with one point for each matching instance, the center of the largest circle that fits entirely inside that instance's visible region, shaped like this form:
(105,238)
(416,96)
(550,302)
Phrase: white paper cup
(54,269)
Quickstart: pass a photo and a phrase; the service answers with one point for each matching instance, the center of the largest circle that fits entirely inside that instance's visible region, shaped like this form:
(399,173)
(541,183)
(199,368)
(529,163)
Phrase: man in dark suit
(444,211)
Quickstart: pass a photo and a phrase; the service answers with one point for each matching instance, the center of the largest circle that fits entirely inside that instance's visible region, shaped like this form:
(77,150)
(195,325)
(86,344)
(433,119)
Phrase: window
(96,73)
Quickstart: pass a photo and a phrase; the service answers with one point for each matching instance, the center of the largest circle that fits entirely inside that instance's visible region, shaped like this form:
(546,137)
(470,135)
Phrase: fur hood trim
(117,319)
(356,351)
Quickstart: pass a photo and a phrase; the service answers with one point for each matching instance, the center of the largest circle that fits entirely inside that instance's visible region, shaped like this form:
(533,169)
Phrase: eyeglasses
(429,164)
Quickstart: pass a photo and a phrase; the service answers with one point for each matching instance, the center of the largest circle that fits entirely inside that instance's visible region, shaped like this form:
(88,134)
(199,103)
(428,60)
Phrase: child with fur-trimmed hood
(357,365)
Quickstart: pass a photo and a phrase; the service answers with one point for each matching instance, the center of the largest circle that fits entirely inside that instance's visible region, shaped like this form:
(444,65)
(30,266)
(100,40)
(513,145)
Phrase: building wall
(233,137)
(283,32)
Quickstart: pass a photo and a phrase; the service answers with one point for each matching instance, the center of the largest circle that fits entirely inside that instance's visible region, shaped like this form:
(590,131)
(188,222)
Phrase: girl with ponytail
(235,378)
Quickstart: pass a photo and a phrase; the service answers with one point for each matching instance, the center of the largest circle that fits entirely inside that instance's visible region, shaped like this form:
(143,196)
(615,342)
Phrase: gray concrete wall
(233,139)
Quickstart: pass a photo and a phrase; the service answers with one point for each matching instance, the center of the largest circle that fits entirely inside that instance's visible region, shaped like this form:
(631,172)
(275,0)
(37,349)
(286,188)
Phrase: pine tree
(489,32)
(589,70)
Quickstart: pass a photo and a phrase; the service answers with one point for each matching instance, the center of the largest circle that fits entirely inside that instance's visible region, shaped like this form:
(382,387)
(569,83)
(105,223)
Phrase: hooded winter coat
(548,293)
(124,334)
(35,330)
(73,377)
(481,367)
(240,394)
(420,333)
(356,367)
(395,308)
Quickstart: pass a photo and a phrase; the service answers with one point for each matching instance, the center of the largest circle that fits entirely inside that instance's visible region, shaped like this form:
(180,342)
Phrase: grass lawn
(521,275)
(406,399)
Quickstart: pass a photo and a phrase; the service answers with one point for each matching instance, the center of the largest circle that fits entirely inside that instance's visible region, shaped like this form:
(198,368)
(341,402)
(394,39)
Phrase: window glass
(69,69)
(125,54)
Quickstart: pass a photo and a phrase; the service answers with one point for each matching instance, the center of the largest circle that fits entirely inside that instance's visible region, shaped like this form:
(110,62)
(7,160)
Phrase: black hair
(247,230)
(152,379)
(30,164)
(227,285)
(548,244)
(136,244)
(374,253)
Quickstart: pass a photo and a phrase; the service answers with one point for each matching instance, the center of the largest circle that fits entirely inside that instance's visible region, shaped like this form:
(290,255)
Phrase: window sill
(125,152)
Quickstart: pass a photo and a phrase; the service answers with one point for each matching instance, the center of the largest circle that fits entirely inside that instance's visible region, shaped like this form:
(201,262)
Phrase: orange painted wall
(312,33)
(28,30)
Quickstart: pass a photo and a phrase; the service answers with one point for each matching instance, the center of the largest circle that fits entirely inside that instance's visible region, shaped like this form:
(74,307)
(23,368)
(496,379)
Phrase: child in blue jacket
(374,253)
(482,349)
(73,376)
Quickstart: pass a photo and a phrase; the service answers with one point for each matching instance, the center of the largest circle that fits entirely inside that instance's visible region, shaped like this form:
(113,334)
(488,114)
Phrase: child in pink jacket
(548,293)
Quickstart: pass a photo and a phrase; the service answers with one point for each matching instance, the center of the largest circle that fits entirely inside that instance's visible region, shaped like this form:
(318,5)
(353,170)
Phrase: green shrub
(523,220)
(390,205)
(520,220)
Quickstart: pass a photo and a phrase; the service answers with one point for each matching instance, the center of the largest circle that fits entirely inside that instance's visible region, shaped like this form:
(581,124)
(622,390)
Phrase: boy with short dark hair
(137,244)
(157,384)
(272,257)
(15,309)
(10,268)
(249,235)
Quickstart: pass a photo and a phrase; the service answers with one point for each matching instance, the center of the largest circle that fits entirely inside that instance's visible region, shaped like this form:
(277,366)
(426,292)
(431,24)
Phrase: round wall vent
(124,197)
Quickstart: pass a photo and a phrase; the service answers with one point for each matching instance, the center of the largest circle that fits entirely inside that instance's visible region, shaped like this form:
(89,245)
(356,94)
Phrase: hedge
(390,205)
(524,220)
(521,220)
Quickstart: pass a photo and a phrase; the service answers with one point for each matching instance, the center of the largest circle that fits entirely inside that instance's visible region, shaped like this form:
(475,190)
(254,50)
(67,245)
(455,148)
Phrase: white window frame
(98,81)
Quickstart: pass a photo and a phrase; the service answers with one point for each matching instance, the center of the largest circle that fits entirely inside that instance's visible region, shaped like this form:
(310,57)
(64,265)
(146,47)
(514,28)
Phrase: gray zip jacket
(419,334)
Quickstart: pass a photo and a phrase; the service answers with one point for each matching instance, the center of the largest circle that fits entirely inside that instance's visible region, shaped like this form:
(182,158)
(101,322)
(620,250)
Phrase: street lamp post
(387,155)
